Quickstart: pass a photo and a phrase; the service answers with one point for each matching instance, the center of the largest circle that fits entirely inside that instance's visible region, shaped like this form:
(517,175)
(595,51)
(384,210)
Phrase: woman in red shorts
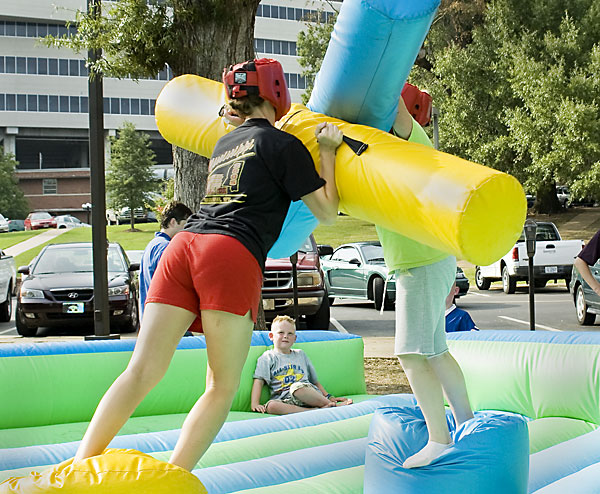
(210,276)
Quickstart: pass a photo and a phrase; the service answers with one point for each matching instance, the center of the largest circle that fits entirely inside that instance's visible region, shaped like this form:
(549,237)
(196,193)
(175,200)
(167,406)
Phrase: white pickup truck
(8,285)
(553,260)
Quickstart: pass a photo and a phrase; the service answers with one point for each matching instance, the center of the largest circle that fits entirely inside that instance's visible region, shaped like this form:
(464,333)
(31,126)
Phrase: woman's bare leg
(227,342)
(452,379)
(162,328)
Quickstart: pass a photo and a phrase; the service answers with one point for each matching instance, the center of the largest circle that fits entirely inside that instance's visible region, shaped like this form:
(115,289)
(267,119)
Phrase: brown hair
(245,106)
(176,210)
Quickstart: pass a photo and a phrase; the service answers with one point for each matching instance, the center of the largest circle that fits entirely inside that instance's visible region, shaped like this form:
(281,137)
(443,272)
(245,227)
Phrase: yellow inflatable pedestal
(117,471)
(471,211)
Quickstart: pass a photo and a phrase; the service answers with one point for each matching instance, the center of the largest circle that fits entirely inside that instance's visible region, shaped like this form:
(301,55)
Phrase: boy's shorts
(207,272)
(291,399)
(420,308)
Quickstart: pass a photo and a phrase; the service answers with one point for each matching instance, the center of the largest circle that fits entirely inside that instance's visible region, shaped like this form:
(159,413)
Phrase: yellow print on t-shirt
(225,171)
(289,377)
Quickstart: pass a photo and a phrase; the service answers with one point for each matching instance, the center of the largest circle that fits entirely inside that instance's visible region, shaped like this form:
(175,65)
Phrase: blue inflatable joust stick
(372,49)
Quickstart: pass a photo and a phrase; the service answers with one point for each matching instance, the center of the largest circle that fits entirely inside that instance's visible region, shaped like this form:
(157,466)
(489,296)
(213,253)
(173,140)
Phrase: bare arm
(586,274)
(257,386)
(403,123)
(324,202)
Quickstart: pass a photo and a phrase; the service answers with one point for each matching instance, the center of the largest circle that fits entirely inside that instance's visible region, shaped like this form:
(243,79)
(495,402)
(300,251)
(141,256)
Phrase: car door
(591,297)
(346,273)
(5,275)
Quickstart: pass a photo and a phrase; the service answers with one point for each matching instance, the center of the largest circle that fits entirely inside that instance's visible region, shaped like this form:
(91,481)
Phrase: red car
(35,221)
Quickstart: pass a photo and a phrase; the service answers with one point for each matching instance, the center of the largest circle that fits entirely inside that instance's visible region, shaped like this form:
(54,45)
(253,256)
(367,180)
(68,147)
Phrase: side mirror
(134,266)
(356,262)
(324,250)
(23,270)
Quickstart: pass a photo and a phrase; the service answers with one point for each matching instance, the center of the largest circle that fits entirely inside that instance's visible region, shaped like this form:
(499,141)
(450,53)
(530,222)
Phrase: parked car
(35,221)
(462,282)
(8,285)
(358,271)
(68,221)
(563,195)
(58,289)
(16,225)
(278,293)
(3,224)
(553,260)
(140,215)
(587,302)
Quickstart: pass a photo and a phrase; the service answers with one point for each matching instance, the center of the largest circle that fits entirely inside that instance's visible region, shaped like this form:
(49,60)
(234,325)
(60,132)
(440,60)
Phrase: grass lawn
(116,233)
(11,238)
(346,229)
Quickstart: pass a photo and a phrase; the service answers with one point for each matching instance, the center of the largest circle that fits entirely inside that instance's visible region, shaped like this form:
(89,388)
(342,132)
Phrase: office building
(44,95)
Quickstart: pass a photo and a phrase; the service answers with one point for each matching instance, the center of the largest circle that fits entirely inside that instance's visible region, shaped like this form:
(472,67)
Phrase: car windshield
(544,232)
(75,260)
(307,246)
(373,253)
(41,216)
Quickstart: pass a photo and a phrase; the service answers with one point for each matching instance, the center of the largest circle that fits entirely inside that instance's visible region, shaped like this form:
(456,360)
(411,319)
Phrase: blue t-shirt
(152,254)
(459,320)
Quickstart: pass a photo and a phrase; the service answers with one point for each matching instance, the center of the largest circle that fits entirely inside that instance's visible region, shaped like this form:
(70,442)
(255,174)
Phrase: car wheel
(481,282)
(568,283)
(331,301)
(378,294)
(320,319)
(509,284)
(22,328)
(584,318)
(134,321)
(540,283)
(6,307)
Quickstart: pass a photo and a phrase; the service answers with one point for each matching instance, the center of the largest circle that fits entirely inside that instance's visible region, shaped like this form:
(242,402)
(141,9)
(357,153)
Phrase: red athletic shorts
(207,272)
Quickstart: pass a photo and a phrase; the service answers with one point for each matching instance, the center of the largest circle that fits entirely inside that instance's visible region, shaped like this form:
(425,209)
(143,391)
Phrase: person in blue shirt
(173,219)
(457,319)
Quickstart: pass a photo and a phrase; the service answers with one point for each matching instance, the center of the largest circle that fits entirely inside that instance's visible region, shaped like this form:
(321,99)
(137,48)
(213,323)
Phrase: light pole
(99,239)
(87,207)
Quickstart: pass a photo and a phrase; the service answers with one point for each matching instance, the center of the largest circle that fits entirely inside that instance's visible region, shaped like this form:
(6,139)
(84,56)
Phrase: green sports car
(358,271)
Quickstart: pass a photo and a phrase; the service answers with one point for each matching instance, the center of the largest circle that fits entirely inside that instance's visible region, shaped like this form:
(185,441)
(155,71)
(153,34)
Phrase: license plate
(551,269)
(73,308)
(269,304)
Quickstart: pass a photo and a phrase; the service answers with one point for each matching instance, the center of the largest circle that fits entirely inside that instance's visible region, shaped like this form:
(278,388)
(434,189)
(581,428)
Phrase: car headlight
(309,278)
(118,290)
(31,293)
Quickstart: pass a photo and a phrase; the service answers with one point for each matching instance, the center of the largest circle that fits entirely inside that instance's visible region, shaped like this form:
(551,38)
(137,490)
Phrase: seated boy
(289,374)
(457,319)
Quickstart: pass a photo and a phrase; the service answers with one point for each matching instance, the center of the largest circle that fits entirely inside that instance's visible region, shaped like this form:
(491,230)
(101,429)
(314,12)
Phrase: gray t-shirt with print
(281,370)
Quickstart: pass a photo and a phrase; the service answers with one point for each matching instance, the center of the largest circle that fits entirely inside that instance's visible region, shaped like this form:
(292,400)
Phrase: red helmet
(418,103)
(261,76)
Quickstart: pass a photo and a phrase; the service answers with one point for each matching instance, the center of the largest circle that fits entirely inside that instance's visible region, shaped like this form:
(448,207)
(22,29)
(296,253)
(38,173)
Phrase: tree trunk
(220,33)
(546,201)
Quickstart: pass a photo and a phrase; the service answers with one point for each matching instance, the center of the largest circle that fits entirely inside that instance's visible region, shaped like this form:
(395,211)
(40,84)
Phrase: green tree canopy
(129,177)
(523,96)
(12,201)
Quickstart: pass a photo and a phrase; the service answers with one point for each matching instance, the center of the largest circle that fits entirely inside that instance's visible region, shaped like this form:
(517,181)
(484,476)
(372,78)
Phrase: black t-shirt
(254,173)
(591,252)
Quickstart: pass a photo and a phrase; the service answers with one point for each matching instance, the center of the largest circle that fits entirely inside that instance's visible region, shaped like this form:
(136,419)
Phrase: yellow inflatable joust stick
(471,211)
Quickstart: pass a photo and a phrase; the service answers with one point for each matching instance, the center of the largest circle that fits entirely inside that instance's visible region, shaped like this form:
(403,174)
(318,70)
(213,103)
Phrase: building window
(49,186)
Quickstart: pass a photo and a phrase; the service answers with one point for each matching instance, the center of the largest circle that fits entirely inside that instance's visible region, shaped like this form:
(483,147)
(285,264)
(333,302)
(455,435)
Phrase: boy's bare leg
(428,391)
(278,407)
(162,328)
(227,342)
(312,397)
(453,383)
